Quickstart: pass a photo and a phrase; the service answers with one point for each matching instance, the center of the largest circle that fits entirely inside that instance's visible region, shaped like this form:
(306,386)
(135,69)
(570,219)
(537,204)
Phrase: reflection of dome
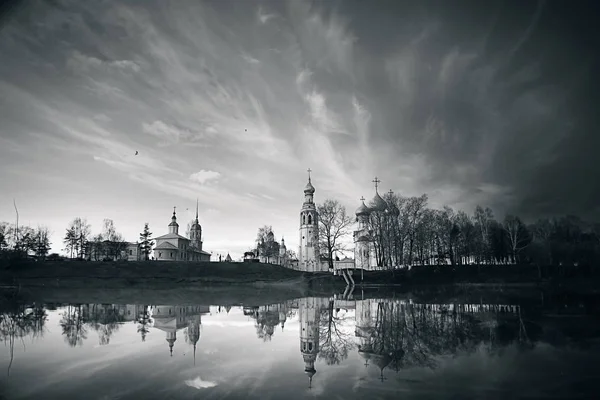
(378,204)
(362,210)
(309,189)
(381,361)
(310,372)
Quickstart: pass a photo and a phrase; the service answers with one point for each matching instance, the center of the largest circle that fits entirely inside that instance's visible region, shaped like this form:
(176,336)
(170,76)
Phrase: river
(333,347)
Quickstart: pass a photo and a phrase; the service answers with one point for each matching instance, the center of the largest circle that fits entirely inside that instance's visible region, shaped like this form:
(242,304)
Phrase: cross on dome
(362,198)
(376,181)
(309,171)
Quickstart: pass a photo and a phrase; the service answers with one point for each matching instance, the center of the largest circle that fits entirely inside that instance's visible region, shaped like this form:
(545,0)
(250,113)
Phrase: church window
(130,252)
(310,346)
(309,219)
(303,219)
(171,254)
(159,254)
(169,311)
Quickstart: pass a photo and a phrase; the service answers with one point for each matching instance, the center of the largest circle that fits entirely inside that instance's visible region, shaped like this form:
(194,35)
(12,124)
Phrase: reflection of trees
(73,326)
(414,335)
(19,323)
(334,343)
(144,322)
(104,319)
(266,318)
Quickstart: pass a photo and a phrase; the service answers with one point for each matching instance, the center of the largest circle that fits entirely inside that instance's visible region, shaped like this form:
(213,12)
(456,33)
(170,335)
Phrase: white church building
(174,247)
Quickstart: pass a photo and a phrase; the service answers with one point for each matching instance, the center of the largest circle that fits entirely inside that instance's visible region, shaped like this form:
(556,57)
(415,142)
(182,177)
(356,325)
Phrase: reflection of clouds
(198,383)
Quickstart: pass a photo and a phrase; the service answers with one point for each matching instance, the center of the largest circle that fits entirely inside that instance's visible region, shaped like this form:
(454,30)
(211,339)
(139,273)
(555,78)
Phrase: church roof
(378,203)
(194,250)
(171,236)
(362,209)
(166,246)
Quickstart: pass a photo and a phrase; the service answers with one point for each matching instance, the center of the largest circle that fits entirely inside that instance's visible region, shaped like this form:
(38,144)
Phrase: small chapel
(175,247)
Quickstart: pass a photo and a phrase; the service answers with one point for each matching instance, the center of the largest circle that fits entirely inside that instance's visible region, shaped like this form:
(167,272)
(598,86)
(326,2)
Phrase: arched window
(303,219)
(309,219)
(310,346)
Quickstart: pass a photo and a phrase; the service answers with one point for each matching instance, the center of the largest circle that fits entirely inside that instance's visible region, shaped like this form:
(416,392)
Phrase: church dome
(270,237)
(393,209)
(378,203)
(309,189)
(362,210)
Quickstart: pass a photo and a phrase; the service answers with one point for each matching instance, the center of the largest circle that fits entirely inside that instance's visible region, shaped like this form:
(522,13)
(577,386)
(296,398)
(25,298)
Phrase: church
(174,247)
(310,260)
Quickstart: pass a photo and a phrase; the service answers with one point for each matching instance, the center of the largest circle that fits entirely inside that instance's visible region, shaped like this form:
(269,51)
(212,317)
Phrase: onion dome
(174,219)
(378,204)
(309,189)
(270,236)
(393,209)
(362,210)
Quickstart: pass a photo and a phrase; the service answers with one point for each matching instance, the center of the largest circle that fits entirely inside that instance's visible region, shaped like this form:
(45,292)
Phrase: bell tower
(308,253)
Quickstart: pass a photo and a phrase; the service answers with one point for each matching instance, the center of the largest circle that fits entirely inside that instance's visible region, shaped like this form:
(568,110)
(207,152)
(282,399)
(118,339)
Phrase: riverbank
(153,275)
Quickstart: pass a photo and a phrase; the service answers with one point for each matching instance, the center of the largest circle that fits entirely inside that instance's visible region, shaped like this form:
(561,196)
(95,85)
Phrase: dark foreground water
(310,347)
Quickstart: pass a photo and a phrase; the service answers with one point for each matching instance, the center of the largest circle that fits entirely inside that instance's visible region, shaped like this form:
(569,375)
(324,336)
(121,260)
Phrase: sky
(230,102)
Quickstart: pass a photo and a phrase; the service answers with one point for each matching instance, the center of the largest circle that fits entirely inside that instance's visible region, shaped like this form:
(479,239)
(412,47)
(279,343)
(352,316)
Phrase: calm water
(310,347)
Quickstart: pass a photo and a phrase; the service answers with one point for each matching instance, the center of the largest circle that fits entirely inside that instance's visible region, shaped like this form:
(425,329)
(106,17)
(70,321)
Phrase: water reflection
(381,337)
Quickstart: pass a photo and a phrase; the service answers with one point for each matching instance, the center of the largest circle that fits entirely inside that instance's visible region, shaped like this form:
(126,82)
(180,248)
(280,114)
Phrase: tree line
(408,232)
(79,241)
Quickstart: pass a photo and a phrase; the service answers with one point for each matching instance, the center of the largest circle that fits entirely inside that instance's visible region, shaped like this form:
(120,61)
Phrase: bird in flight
(136,152)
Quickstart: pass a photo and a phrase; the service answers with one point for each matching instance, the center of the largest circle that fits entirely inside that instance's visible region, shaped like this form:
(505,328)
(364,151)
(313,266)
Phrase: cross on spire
(309,171)
(196,210)
(362,198)
(174,210)
(376,181)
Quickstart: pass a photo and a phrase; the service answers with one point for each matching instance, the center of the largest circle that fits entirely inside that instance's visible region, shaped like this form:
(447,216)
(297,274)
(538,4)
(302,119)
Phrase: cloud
(198,383)
(84,63)
(168,133)
(204,176)
(264,17)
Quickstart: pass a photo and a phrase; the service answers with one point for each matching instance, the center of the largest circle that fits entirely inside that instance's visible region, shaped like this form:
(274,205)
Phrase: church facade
(175,247)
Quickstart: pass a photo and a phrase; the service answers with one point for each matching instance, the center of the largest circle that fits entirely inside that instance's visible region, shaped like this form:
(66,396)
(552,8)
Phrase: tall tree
(77,236)
(42,242)
(116,245)
(146,242)
(334,225)
(70,241)
(263,245)
(518,237)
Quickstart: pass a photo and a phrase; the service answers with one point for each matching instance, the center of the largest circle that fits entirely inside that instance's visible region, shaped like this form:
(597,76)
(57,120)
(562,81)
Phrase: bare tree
(517,234)
(334,225)
(115,243)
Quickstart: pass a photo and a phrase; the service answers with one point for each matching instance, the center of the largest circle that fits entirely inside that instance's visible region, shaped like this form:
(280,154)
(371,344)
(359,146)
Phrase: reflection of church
(173,318)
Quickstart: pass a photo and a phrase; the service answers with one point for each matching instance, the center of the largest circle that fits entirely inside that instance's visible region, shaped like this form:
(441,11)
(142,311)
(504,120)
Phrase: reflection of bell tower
(193,333)
(171,338)
(309,334)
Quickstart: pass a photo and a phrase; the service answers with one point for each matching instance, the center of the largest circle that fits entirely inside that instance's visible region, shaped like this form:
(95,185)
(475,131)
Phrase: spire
(196,210)
(309,171)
